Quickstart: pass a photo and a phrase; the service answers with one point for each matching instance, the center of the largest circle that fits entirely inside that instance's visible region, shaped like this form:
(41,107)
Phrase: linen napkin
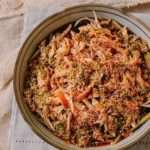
(21,136)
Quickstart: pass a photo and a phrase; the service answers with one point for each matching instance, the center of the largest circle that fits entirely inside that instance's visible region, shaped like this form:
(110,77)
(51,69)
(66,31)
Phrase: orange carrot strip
(62,97)
(83,94)
(132,105)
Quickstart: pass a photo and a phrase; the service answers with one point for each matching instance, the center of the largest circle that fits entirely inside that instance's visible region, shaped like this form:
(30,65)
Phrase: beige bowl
(42,31)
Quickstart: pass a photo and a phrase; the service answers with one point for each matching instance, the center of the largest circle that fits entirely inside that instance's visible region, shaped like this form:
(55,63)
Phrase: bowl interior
(41,32)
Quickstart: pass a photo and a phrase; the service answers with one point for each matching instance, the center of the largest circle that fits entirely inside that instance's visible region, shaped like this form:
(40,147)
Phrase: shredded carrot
(132,105)
(90,81)
(83,95)
(62,97)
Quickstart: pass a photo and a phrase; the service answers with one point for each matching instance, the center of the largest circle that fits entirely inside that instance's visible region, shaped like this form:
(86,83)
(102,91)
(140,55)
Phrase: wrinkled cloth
(22,15)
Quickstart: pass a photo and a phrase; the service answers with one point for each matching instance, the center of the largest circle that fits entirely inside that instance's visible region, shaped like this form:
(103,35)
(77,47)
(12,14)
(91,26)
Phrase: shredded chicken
(88,83)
